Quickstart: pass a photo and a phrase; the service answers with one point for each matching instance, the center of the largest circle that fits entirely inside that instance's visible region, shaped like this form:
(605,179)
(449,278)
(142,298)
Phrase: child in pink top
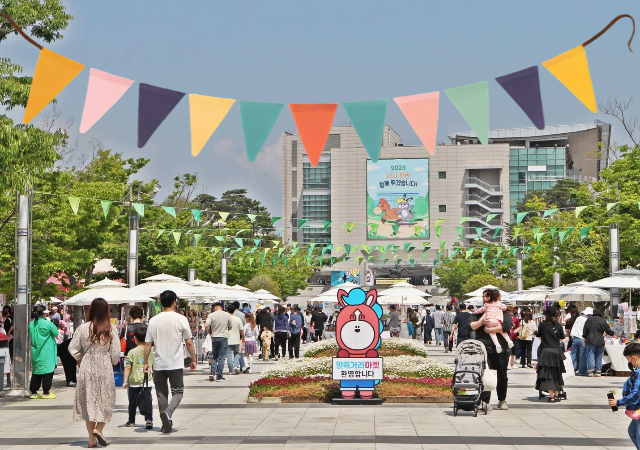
(494,317)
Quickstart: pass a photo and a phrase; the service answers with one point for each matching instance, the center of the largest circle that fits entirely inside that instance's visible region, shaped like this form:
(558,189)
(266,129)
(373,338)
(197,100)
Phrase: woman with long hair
(96,347)
(44,353)
(250,338)
(550,355)
(526,332)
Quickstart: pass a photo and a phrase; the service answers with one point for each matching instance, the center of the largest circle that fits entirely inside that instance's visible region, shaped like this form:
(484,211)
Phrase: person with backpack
(526,332)
(447,326)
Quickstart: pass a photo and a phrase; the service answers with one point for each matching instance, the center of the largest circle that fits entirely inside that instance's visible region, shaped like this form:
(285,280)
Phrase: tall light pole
(614,265)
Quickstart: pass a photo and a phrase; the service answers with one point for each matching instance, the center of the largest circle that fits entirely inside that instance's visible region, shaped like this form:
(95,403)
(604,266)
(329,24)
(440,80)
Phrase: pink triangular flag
(422,113)
(103,92)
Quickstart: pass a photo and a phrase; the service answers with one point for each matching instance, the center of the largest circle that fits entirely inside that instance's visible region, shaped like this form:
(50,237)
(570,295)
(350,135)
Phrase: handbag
(490,379)
(144,397)
(123,341)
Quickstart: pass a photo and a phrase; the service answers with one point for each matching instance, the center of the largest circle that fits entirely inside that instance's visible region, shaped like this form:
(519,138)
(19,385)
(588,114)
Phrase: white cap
(588,311)
(55,308)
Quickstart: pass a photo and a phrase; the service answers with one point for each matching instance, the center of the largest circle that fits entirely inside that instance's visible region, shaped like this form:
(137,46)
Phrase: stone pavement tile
(445,447)
(159,446)
(32,447)
(490,447)
(260,447)
(353,446)
(399,446)
(305,446)
(518,433)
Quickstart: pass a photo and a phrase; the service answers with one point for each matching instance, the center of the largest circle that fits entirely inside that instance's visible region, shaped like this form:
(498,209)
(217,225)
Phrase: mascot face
(357,333)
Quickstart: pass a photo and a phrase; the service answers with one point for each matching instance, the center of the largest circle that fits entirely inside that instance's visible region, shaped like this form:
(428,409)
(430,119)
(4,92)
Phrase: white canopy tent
(478,292)
(628,278)
(333,292)
(106,283)
(113,295)
(162,277)
(404,300)
(263,294)
(181,288)
(579,294)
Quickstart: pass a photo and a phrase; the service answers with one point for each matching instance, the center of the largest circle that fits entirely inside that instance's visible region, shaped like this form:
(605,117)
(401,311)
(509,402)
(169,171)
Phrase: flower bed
(323,388)
(389,347)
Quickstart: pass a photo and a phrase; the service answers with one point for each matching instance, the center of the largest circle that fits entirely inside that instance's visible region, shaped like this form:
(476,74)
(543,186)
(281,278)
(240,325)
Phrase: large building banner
(398,199)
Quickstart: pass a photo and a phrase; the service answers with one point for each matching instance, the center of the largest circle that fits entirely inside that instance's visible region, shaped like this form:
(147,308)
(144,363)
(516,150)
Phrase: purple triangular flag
(154,105)
(524,87)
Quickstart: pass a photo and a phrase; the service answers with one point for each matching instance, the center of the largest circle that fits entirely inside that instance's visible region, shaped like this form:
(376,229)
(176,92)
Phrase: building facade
(464,179)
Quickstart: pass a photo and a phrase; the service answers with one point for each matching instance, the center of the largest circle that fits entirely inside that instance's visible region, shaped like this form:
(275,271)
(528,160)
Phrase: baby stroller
(467,386)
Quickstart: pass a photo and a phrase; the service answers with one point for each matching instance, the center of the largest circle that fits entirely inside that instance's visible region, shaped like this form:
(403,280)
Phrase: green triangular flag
(459,230)
(75,203)
(395,229)
(160,233)
(438,222)
(347,249)
(517,232)
(374,228)
(257,241)
(499,252)
(553,231)
(495,262)
(412,262)
(469,253)
(570,231)
(442,244)
(294,251)
(325,224)
(349,226)
(472,101)
(215,250)
(359,260)
(521,216)
(106,206)
(527,248)
(490,217)
(583,232)
(479,232)
(368,119)
(294,244)
(548,212)
(219,238)
(311,247)
(239,242)
(332,260)
(464,219)
(417,229)
(170,210)
(579,210)
(496,232)
(563,235)
(196,238)
(252,217)
(484,251)
(224,215)
(176,236)
(538,248)
(611,205)
(258,120)
(196,214)
(276,243)
(139,207)
(535,231)
(455,252)
(280,251)
(539,236)
(438,231)
(301,222)
(275,219)
(326,248)
(505,261)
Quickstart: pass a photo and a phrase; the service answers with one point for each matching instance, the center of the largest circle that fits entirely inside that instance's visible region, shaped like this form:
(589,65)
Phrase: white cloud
(426,183)
(372,167)
(419,169)
(371,188)
(224,147)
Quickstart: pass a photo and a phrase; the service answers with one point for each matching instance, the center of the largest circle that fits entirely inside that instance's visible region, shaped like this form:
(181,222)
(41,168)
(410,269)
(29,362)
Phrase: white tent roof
(263,294)
(402,300)
(106,283)
(617,281)
(629,271)
(113,295)
(333,292)
(198,282)
(579,293)
(403,292)
(162,277)
(182,289)
(478,292)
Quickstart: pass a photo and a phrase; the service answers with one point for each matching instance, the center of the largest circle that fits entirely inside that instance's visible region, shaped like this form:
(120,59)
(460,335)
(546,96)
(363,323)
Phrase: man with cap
(56,314)
(578,349)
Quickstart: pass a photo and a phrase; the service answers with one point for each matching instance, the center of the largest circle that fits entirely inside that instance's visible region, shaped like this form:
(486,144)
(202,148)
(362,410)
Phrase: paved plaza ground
(216,416)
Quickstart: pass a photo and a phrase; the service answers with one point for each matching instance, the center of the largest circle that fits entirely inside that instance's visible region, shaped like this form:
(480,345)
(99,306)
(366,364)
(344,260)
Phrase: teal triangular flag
(252,217)
(196,214)
(521,216)
(490,217)
(563,235)
(472,101)
(139,207)
(160,233)
(196,238)
(301,222)
(496,232)
(106,205)
(548,212)
(611,205)
(258,119)
(239,242)
(479,232)
(583,232)
(368,119)
(170,210)
(325,224)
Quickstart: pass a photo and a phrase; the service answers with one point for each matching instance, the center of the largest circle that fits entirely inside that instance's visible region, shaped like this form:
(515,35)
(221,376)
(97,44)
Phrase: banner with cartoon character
(339,276)
(358,328)
(398,198)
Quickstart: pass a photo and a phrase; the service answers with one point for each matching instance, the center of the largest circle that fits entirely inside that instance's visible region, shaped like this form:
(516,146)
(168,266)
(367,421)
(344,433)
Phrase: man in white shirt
(165,334)
(218,324)
(578,348)
(234,341)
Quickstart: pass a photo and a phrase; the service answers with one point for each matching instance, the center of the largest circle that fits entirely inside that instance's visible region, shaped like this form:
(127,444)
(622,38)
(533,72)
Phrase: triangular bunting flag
(74,202)
(368,119)
(154,105)
(196,214)
(53,73)
(610,206)
(499,252)
(206,114)
(301,222)
(535,231)
(103,92)
(395,229)
(374,228)
(496,232)
(139,207)
(572,69)
(438,222)
(516,232)
(524,88)
(347,249)
(438,231)
(314,125)
(549,212)
(349,226)
(479,232)
(583,232)
(563,235)
(239,242)
(490,217)
(326,224)
(170,210)
(196,238)
(465,219)
(106,206)
(570,231)
(416,229)
(472,101)
(160,233)
(421,112)
(553,231)
(258,120)
(579,210)
(521,216)
(460,231)
(252,217)
(224,216)
(176,236)
(275,219)
(442,244)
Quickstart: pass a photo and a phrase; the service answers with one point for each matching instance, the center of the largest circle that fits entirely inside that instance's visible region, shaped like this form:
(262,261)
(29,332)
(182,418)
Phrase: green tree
(454,275)
(263,281)
(483,279)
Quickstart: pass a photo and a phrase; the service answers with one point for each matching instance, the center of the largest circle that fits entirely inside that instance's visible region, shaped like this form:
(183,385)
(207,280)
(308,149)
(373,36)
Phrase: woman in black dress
(550,355)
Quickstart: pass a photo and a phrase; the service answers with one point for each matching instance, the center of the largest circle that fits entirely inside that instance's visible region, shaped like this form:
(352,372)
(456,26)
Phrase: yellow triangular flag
(206,114)
(53,73)
(572,69)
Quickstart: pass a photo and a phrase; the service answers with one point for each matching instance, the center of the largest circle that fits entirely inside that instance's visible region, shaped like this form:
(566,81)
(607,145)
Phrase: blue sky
(320,52)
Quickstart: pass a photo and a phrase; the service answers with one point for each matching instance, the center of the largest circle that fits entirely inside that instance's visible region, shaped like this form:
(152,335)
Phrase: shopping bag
(144,397)
(489,380)
(568,366)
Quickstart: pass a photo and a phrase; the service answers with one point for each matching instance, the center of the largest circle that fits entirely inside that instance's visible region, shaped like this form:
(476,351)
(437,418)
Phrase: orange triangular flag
(422,113)
(572,69)
(53,73)
(314,125)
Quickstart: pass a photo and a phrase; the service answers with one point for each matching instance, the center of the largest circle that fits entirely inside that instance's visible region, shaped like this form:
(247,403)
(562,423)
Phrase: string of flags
(54,72)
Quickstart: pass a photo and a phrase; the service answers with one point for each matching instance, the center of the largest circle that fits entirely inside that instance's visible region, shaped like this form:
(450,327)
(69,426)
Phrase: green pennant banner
(374,228)
(469,253)
(366,248)
(438,222)
(499,251)
(332,260)
(484,251)
(311,247)
(176,236)
(538,248)
(438,231)
(520,217)
(406,247)
(553,232)
(579,210)
(347,249)
(257,242)
(495,262)
(583,232)
(442,244)
(197,238)
(326,224)
(395,229)
(301,222)
(224,215)
(549,212)
(539,237)
(516,232)
(239,242)
(196,214)
(464,219)
(170,210)
(275,219)
(563,235)
(252,217)
(280,252)
(359,260)
(416,230)
(460,231)
(514,251)
(160,233)
(570,231)
(496,232)
(349,226)
(610,206)
(535,231)
(294,251)
(276,243)
(328,247)
(505,261)
(106,206)
(219,238)
(139,207)
(490,217)
(215,250)
(412,262)
(455,252)
(74,202)
(479,232)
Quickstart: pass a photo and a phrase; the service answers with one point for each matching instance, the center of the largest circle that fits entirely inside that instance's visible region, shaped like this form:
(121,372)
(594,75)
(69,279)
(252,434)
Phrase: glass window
(442,208)
(316,235)
(294,153)
(530,185)
(294,183)
(546,185)
(442,174)
(318,177)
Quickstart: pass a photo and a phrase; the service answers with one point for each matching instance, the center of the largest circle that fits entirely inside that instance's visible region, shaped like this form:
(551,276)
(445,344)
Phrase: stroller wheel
(475,412)
(540,395)
(563,395)
(485,407)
